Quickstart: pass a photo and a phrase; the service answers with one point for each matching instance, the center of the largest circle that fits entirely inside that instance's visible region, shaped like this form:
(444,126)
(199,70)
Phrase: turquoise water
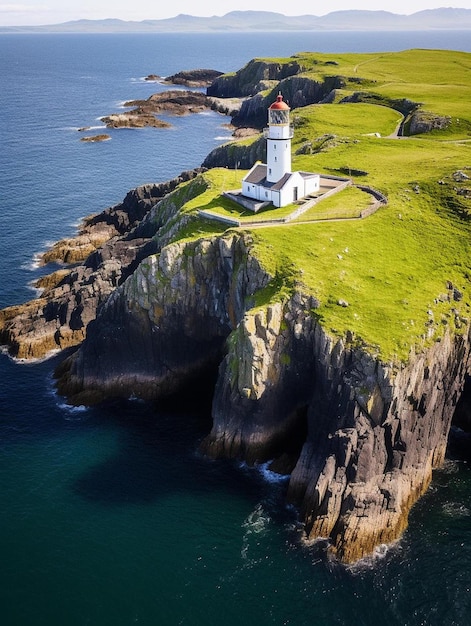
(110,516)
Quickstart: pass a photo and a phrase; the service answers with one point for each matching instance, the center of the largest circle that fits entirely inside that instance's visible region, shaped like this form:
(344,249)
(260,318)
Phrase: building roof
(282,182)
(308,174)
(257,175)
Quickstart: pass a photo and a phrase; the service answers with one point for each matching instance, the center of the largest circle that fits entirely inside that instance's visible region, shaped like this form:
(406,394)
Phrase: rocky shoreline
(145,113)
(358,437)
(105,251)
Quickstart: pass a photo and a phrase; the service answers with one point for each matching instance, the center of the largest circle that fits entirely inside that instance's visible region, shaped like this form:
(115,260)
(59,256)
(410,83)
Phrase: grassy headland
(404,274)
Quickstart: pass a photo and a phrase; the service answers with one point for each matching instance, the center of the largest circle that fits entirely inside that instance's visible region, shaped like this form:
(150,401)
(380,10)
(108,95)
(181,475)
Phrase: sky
(29,12)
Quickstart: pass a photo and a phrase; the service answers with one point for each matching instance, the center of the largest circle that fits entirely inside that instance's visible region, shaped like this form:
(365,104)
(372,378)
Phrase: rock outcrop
(259,81)
(194,78)
(95,138)
(107,249)
(299,91)
(137,118)
(237,156)
(174,102)
(145,111)
(257,75)
(174,315)
(425,122)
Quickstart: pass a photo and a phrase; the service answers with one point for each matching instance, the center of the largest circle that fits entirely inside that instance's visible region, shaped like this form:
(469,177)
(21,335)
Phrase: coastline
(257,350)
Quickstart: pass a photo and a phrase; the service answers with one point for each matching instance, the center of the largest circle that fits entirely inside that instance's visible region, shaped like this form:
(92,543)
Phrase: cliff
(259,81)
(360,437)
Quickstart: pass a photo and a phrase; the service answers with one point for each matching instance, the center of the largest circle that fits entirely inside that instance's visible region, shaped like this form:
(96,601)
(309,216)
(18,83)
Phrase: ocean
(109,516)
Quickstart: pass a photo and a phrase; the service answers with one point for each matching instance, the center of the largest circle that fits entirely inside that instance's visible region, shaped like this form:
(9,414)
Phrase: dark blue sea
(109,517)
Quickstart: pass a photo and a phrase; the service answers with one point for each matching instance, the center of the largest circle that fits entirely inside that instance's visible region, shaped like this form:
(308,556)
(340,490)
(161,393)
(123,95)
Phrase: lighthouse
(273,182)
(278,135)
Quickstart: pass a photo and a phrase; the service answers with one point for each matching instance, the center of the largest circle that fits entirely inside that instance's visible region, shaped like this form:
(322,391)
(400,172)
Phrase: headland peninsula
(336,346)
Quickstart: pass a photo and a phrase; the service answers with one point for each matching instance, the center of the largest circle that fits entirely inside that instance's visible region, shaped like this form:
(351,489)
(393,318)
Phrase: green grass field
(394,268)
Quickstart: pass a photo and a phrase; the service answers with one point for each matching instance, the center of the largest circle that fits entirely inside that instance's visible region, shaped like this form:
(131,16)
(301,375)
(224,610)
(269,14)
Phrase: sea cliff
(360,437)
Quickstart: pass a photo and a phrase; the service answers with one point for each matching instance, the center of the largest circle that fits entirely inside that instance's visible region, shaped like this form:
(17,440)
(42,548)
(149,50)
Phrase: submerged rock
(95,138)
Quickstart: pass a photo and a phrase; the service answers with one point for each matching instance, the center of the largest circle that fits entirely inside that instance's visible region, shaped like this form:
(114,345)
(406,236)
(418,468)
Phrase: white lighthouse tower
(274,182)
(278,135)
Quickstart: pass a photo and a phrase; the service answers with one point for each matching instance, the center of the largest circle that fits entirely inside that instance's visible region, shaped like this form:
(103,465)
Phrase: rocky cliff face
(166,323)
(299,91)
(375,435)
(360,437)
(237,156)
(255,76)
(259,82)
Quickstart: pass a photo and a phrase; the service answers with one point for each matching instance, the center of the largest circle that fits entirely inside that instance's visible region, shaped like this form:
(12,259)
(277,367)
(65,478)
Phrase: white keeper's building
(274,181)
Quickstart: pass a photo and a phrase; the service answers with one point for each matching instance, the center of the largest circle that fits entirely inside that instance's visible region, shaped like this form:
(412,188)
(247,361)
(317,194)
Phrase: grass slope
(397,269)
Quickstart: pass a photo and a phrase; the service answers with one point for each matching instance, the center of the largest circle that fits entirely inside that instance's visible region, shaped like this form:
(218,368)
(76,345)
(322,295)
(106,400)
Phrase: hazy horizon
(49,12)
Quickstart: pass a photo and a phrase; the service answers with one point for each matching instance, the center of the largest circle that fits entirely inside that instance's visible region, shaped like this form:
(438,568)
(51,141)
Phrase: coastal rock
(237,156)
(174,102)
(58,319)
(135,119)
(299,91)
(95,138)
(166,323)
(251,78)
(255,79)
(375,435)
(194,78)
(264,385)
(76,249)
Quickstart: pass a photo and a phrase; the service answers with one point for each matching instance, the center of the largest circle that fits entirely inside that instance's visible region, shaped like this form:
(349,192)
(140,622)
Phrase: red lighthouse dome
(279,104)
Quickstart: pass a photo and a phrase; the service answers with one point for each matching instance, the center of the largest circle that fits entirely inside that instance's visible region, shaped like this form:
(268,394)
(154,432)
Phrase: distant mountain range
(445,18)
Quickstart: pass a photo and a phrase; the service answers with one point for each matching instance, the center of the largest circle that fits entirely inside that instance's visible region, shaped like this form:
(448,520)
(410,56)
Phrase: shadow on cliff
(459,439)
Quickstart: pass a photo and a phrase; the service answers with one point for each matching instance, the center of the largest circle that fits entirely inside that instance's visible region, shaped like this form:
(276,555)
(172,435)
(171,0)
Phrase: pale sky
(29,12)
